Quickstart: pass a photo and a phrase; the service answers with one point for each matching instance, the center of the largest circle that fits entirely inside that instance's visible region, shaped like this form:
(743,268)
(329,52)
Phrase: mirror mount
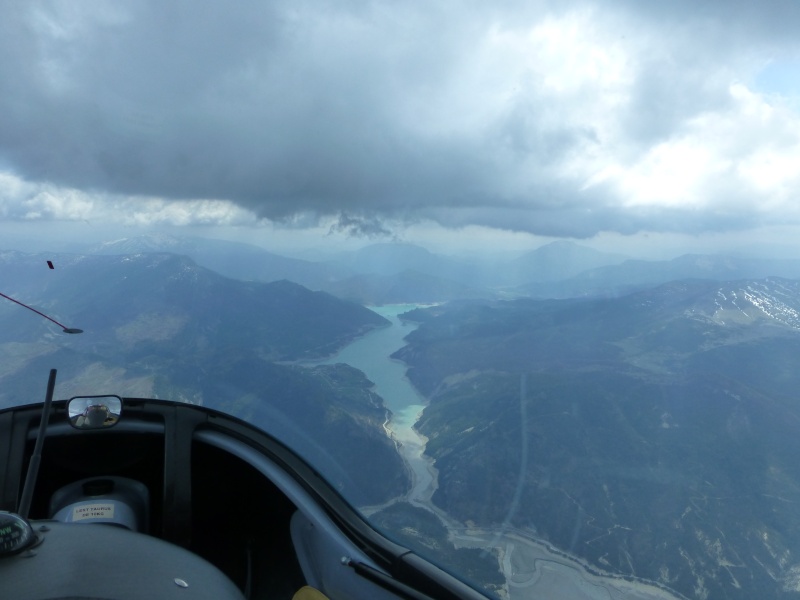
(94,412)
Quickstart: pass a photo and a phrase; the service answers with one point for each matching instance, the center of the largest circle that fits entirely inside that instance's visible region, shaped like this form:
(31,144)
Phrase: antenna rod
(64,327)
(36,459)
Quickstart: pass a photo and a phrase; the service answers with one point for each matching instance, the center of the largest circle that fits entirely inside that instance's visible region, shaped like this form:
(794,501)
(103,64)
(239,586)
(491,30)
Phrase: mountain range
(639,414)
(632,275)
(653,435)
(158,325)
(397,272)
(377,273)
(236,260)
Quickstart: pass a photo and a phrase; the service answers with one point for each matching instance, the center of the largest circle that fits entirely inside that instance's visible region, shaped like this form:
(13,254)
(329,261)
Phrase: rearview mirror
(94,412)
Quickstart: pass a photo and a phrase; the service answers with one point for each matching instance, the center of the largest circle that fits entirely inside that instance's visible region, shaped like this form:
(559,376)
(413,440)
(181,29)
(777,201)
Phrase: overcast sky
(565,118)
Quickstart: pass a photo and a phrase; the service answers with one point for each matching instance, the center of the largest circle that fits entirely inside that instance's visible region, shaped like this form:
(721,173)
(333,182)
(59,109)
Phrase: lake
(371,354)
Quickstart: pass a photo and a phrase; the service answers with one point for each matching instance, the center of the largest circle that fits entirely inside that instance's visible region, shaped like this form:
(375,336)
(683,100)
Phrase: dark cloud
(364,110)
(585,222)
(360,226)
(716,22)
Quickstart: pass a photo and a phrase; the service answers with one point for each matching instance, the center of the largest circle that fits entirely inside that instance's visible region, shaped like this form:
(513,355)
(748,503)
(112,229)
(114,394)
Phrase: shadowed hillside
(157,325)
(655,435)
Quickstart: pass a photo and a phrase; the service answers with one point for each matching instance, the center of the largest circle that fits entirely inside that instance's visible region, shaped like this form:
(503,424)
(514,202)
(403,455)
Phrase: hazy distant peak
(710,262)
(390,258)
(164,242)
(394,249)
(569,248)
(152,242)
(562,259)
(561,246)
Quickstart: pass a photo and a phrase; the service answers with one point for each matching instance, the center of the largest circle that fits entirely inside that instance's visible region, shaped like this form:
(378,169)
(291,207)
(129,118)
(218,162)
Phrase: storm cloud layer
(557,118)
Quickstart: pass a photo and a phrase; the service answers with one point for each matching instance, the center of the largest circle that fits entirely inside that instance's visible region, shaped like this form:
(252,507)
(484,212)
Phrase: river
(532,568)
(371,354)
